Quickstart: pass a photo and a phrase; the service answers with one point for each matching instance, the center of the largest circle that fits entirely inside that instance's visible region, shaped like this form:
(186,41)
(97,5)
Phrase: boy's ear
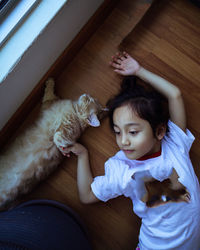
(161,131)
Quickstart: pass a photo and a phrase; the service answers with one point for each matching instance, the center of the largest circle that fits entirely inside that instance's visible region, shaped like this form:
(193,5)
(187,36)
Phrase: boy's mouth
(128,151)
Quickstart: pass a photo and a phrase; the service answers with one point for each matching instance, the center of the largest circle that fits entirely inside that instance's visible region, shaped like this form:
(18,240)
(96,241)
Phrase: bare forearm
(84,178)
(160,84)
(84,175)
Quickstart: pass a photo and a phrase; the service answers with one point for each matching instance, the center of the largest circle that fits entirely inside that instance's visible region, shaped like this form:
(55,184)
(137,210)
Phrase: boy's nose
(125,140)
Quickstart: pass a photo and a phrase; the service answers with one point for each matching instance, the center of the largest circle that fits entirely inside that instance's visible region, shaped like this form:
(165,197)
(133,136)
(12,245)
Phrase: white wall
(42,54)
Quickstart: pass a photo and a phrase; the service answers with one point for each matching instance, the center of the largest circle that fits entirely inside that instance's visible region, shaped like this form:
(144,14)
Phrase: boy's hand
(124,64)
(77,149)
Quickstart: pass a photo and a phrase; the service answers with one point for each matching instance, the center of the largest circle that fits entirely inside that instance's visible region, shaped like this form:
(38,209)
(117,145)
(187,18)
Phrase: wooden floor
(167,41)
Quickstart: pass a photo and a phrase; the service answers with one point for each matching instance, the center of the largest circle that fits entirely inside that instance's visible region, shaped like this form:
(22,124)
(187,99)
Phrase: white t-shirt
(172,225)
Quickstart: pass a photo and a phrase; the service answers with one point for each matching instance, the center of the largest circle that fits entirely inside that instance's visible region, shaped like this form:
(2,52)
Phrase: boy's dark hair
(147,103)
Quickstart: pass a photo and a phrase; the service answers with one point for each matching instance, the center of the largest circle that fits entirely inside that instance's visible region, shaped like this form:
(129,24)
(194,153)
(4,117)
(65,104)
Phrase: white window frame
(12,14)
(28,29)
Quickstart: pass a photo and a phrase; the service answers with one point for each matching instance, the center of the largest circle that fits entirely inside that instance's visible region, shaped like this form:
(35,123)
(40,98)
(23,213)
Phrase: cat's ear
(83,99)
(93,120)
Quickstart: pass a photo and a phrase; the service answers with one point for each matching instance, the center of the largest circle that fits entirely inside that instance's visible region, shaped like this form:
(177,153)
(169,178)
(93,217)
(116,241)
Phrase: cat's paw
(61,142)
(58,140)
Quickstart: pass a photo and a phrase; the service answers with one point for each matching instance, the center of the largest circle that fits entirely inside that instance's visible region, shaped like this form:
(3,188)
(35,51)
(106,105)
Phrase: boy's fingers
(115,65)
(122,58)
(119,55)
(119,61)
(121,72)
(68,155)
(66,149)
(126,54)
(116,56)
(115,59)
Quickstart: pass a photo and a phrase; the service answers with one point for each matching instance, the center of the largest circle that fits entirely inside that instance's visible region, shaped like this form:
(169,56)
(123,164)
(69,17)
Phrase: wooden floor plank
(179,61)
(177,34)
(189,11)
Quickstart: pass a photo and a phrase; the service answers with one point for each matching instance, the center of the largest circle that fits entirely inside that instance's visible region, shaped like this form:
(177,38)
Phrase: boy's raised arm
(171,92)
(125,65)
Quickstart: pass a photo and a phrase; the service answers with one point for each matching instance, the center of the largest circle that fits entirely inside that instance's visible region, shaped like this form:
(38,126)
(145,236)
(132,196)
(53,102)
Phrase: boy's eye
(116,132)
(133,132)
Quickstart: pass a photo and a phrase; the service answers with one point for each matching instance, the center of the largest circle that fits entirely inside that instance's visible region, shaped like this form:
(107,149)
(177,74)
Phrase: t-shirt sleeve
(182,140)
(108,186)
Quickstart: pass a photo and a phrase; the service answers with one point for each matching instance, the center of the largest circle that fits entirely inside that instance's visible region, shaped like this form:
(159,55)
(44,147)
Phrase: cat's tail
(49,94)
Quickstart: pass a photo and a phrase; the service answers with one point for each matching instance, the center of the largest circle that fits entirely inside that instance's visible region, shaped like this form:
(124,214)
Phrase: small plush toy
(154,192)
(37,152)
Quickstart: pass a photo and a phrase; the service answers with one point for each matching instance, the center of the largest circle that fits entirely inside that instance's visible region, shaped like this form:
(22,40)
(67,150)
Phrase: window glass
(5,6)
(12,13)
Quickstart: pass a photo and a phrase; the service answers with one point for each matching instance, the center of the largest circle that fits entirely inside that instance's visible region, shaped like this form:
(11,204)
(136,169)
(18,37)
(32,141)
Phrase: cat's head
(89,110)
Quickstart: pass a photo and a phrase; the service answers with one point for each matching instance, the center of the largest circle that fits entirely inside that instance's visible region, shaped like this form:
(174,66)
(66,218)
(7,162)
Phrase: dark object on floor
(196,2)
(42,225)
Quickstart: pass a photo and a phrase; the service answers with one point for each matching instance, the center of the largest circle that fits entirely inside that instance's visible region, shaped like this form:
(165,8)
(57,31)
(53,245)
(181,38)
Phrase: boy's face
(134,135)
